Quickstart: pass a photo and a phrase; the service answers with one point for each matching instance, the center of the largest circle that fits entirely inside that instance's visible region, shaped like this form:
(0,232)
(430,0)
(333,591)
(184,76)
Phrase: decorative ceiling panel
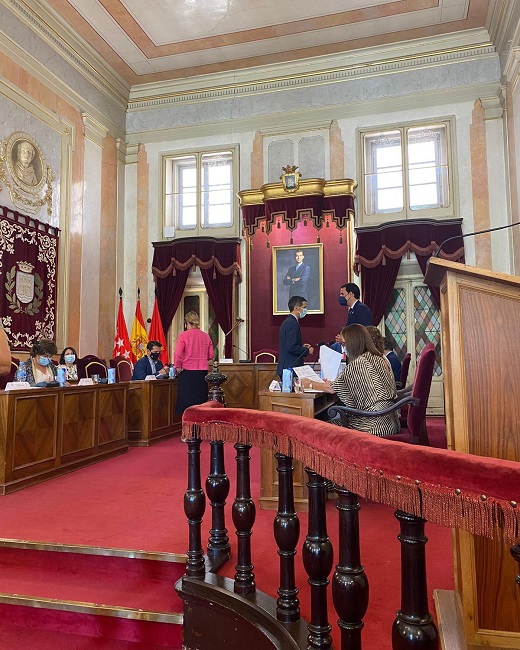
(158,40)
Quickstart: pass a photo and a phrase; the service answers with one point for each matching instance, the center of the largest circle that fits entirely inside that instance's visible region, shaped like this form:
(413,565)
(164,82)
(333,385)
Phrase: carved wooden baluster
(317,560)
(217,489)
(286,533)
(515,552)
(413,628)
(244,513)
(349,584)
(194,507)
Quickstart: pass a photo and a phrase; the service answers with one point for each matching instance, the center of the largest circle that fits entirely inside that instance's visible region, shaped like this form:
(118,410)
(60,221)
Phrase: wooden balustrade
(277,621)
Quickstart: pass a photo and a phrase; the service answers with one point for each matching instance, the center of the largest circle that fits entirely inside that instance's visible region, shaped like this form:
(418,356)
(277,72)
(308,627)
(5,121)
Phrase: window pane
(390,200)
(427,325)
(217,191)
(384,173)
(423,196)
(395,321)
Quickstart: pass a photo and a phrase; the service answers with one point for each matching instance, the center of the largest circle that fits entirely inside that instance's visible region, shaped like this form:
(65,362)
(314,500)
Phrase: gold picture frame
(289,279)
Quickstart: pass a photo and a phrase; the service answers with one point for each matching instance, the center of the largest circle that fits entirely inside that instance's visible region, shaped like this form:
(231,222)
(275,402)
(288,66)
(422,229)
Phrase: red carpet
(135,502)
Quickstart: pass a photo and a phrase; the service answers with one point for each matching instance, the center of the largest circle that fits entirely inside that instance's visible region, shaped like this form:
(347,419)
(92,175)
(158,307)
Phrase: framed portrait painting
(298,271)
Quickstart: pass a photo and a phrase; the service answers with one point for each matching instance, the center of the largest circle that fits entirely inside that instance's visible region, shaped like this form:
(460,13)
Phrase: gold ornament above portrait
(24,172)
(290,179)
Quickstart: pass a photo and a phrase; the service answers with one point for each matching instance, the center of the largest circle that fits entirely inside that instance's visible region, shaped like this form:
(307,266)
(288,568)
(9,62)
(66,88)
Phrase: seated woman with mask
(68,361)
(39,366)
(366,383)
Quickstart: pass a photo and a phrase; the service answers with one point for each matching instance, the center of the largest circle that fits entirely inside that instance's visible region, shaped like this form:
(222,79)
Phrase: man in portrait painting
(297,276)
(22,160)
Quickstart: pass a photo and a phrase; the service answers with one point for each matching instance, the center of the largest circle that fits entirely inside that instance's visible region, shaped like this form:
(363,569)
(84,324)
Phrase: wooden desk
(307,405)
(151,411)
(45,432)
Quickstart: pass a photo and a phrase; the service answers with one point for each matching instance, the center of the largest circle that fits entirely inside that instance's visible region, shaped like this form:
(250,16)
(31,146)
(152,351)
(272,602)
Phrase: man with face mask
(291,350)
(358,312)
(150,364)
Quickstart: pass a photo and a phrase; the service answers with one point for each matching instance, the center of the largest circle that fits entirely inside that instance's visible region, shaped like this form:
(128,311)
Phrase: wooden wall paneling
(161,406)
(78,423)
(481,347)
(35,422)
(112,426)
(151,411)
(240,387)
(5,447)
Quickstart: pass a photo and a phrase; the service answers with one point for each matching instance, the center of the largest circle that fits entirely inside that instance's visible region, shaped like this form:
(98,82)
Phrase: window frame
(363,218)
(171,163)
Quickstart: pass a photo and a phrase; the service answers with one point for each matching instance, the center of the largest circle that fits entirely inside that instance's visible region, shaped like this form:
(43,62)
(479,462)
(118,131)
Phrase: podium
(481,366)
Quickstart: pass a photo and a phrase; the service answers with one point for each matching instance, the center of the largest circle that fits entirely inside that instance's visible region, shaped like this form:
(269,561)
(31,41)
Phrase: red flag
(156,332)
(122,342)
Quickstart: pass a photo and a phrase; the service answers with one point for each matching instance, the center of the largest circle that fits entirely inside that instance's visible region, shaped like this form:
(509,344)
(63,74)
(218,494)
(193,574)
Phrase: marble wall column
(131,233)
(480,186)
(91,244)
(498,189)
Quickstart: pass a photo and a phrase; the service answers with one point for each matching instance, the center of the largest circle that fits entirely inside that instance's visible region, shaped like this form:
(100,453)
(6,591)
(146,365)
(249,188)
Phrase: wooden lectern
(481,365)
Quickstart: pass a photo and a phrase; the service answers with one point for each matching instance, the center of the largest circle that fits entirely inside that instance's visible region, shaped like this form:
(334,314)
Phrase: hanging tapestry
(28,278)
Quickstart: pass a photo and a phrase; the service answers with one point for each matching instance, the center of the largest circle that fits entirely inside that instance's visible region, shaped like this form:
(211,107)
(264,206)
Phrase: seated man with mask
(150,364)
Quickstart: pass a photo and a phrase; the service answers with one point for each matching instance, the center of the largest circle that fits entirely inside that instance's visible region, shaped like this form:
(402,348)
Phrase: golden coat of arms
(291,178)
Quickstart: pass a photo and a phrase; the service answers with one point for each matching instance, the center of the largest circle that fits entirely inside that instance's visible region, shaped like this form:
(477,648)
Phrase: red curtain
(377,286)
(379,251)
(219,261)
(28,277)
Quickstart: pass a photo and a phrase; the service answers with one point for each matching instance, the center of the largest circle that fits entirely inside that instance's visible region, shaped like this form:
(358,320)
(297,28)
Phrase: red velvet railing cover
(445,487)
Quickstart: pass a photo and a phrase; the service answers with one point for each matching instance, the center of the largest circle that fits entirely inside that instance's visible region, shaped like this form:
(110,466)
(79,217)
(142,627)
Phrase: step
(96,592)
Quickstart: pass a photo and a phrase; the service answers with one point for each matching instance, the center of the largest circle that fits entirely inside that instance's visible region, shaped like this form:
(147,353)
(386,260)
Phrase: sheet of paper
(307,372)
(330,361)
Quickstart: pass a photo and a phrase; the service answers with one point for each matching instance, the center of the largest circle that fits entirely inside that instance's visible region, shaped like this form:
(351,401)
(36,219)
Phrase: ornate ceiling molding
(142,97)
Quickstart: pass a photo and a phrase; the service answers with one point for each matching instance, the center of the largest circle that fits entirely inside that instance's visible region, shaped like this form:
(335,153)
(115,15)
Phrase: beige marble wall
(143,246)
(108,252)
(513,138)
(73,211)
(480,186)
(337,152)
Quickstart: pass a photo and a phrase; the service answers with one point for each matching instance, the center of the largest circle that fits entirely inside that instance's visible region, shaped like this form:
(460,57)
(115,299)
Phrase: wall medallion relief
(25,174)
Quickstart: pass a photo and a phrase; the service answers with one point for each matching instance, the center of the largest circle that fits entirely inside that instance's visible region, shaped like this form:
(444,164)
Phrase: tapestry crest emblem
(24,289)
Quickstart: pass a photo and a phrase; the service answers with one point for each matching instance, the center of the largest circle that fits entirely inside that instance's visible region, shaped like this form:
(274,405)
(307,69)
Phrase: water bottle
(62,376)
(171,372)
(111,375)
(21,373)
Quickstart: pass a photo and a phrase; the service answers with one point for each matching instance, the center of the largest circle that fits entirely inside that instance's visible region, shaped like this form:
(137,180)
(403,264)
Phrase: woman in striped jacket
(367,383)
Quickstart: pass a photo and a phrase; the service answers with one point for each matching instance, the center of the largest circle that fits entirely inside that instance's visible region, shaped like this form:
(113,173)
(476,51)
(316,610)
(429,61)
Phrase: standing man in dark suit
(297,276)
(291,350)
(358,312)
(150,364)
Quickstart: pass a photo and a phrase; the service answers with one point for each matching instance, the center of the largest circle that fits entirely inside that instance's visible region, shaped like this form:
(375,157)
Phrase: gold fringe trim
(439,504)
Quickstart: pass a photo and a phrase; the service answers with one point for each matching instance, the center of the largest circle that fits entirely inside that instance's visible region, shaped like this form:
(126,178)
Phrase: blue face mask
(70,358)
(303,313)
(343,301)
(44,361)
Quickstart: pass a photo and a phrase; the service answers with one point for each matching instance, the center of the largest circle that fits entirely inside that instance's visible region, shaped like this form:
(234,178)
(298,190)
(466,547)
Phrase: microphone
(246,360)
(470,234)
(238,320)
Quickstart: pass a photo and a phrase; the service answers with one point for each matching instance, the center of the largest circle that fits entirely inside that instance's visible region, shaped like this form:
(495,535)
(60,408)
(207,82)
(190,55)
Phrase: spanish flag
(138,338)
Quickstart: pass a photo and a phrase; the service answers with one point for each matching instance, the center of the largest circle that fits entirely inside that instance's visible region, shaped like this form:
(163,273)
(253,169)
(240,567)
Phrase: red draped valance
(393,240)
(219,261)
(223,255)
(293,209)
